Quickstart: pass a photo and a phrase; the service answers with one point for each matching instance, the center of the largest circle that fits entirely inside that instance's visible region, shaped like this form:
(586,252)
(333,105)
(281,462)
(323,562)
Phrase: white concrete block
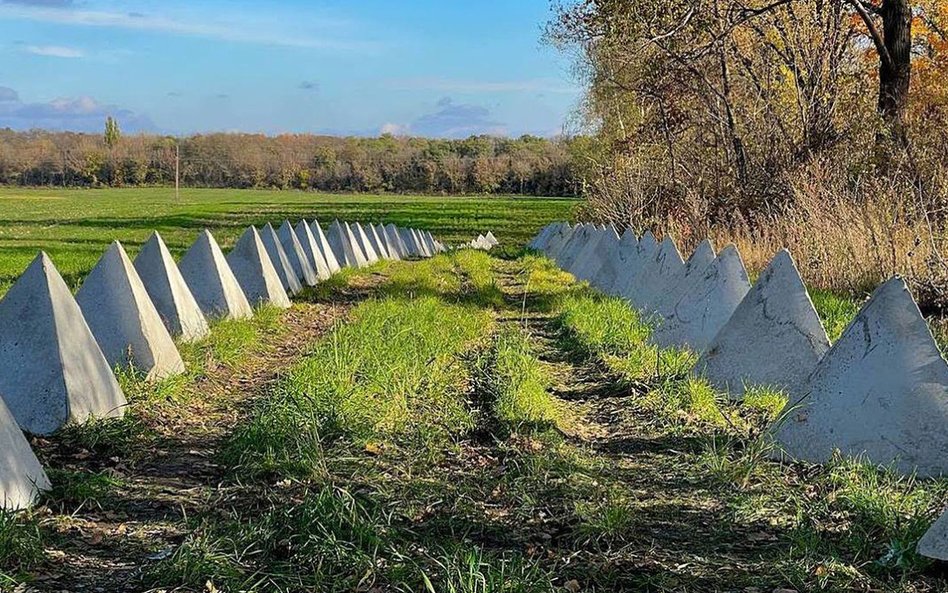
(880,393)
(281,262)
(697,263)
(773,339)
(704,309)
(314,256)
(212,282)
(21,475)
(123,319)
(169,292)
(301,264)
(52,370)
(255,272)
(362,238)
(329,255)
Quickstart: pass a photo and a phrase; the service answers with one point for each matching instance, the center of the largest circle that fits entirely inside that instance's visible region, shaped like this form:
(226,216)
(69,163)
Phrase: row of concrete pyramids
(484,242)
(58,352)
(879,393)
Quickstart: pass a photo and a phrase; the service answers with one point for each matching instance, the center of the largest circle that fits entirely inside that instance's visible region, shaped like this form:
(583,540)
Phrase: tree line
(527,165)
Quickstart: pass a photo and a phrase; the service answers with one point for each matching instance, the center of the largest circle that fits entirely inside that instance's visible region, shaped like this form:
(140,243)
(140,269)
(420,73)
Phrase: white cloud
(448,85)
(239,32)
(54,51)
(395,129)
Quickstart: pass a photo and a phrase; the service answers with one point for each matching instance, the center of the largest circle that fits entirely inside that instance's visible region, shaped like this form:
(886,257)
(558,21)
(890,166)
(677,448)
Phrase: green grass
(517,383)
(75,225)
(394,369)
(835,311)
(21,547)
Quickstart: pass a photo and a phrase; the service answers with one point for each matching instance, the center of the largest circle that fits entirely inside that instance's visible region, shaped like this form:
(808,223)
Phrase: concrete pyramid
(493,240)
(339,241)
(694,268)
(704,309)
(353,241)
(169,292)
(377,244)
(539,241)
(255,272)
(558,240)
(616,263)
(432,244)
(934,544)
(664,267)
(371,256)
(577,243)
(394,239)
(391,247)
(281,263)
(314,256)
(605,252)
(123,319)
(419,243)
(589,260)
(53,371)
(881,392)
(301,264)
(628,282)
(409,239)
(212,282)
(21,475)
(775,338)
(332,261)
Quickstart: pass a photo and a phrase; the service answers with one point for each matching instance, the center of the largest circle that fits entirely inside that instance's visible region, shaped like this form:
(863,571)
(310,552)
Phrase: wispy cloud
(68,13)
(450,120)
(448,85)
(80,114)
(54,51)
(309,85)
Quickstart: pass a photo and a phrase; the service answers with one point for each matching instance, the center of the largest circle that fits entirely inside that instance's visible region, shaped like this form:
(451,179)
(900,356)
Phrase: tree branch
(877,39)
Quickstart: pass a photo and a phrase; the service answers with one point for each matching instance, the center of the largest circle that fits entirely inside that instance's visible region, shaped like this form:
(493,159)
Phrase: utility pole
(177,169)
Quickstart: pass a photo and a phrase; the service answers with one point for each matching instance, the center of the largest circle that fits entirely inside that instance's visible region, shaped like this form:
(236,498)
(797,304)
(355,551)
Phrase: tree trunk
(895,73)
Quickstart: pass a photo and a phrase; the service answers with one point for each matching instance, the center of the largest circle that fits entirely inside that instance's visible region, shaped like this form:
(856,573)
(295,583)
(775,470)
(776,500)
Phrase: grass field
(75,226)
(465,424)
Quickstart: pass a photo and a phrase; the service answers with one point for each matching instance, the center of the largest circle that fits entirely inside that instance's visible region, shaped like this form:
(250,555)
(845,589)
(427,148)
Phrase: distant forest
(480,164)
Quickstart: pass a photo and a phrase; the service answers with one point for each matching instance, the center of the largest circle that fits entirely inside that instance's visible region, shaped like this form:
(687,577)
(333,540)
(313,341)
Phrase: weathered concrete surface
(329,255)
(391,246)
(881,392)
(341,245)
(493,240)
(169,292)
(311,249)
(212,282)
(663,268)
(395,236)
(432,244)
(123,319)
(419,243)
(279,259)
(627,284)
(353,241)
(410,243)
(587,265)
(700,259)
(623,258)
(774,339)
(377,244)
(21,475)
(539,242)
(703,310)
(584,255)
(934,544)
(579,241)
(362,238)
(255,272)
(302,267)
(558,240)
(52,371)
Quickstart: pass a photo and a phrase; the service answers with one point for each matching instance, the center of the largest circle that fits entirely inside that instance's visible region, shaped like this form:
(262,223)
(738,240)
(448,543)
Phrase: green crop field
(75,226)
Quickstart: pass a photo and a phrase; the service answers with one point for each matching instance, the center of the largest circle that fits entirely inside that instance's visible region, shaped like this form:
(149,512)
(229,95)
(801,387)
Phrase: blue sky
(439,68)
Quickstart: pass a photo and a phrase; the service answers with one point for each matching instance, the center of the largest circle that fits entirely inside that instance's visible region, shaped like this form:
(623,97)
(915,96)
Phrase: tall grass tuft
(394,372)
(21,547)
(517,382)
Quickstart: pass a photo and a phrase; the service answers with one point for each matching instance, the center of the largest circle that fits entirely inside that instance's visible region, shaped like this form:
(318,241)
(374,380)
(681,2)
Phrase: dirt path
(103,544)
